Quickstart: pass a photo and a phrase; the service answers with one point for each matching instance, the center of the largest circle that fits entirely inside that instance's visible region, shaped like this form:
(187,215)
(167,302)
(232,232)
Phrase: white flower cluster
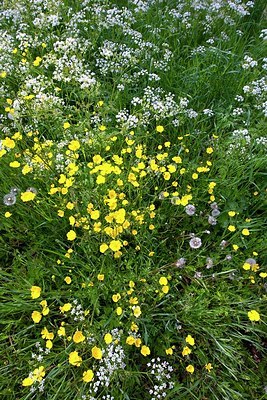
(112,361)
(161,376)
(249,63)
(77,311)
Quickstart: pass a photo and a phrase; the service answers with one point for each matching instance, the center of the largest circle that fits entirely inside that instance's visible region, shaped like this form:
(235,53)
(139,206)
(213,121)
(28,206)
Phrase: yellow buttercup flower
(88,376)
(27,381)
(159,128)
(35,292)
(254,315)
(27,196)
(163,281)
(103,248)
(66,125)
(116,297)
(36,317)
(186,351)
(108,338)
(190,340)
(96,353)
(74,145)
(71,235)
(75,359)
(169,351)
(190,368)
(78,337)
(145,350)
(67,280)
(208,367)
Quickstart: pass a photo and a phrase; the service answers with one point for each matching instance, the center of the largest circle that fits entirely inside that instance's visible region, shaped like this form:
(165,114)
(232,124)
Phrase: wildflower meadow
(133,183)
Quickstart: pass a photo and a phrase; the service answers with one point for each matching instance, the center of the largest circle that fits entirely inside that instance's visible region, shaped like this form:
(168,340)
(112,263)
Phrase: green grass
(116,186)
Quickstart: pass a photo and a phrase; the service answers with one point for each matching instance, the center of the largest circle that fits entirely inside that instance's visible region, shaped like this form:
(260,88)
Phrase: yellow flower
(8,214)
(116,297)
(36,317)
(190,368)
(35,292)
(49,344)
(246,266)
(118,311)
(96,353)
(45,309)
(133,300)
(231,228)
(75,359)
(78,337)
(194,175)
(115,245)
(68,280)
(46,334)
(100,180)
(103,248)
(27,196)
(66,125)
(37,61)
(254,315)
(74,145)
(165,289)
(186,351)
(190,340)
(145,350)
(39,373)
(159,128)
(169,351)
(95,214)
(245,232)
(137,311)
(108,338)
(26,169)
(61,331)
(209,150)
(231,213)
(71,235)
(134,327)
(14,164)
(27,381)
(208,367)
(66,307)
(163,281)
(88,376)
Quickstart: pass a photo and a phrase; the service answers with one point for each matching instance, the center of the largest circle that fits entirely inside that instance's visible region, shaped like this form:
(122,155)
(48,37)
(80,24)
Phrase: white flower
(195,243)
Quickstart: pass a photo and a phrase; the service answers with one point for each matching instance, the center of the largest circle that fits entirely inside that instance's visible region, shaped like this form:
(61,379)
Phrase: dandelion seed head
(215,212)
(32,190)
(212,220)
(195,243)
(181,262)
(190,209)
(9,199)
(15,191)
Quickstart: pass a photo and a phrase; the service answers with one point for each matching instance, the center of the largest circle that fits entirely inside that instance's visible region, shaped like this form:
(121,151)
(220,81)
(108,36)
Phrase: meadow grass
(133,200)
